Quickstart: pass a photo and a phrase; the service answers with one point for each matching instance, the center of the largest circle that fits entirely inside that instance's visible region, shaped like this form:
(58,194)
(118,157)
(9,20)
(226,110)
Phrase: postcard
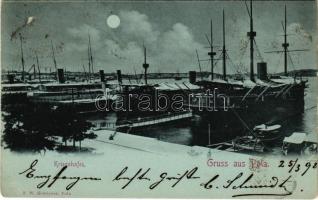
(159,99)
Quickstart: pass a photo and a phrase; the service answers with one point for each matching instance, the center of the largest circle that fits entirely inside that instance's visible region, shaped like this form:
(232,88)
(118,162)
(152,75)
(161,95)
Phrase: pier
(146,121)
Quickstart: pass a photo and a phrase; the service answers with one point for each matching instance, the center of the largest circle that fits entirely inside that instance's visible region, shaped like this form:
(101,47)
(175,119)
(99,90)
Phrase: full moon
(113,21)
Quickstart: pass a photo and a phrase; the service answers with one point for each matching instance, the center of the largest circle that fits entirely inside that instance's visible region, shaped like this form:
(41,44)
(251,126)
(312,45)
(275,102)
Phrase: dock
(143,122)
(152,146)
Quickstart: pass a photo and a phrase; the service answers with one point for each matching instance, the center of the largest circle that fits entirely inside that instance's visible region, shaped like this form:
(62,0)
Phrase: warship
(249,101)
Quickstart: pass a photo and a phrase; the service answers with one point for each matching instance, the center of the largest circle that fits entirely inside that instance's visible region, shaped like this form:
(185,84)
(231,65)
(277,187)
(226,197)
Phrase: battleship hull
(243,111)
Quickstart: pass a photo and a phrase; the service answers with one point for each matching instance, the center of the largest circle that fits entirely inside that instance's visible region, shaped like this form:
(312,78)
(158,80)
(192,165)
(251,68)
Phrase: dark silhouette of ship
(259,99)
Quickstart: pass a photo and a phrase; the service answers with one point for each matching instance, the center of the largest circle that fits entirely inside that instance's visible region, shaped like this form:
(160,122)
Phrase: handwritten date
(295,166)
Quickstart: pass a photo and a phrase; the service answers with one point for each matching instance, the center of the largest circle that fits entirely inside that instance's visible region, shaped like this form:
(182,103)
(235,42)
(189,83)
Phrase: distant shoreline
(168,75)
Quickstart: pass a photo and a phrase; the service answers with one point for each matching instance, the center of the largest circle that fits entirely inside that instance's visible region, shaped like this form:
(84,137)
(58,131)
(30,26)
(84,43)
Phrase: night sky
(171,31)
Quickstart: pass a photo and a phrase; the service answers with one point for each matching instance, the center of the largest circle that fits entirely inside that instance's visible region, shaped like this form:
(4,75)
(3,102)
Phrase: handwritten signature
(50,180)
(239,182)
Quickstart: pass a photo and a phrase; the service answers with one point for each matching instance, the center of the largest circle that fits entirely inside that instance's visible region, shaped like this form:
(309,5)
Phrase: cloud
(298,39)
(82,32)
(79,37)
(176,48)
(129,51)
(74,46)
(298,30)
(137,25)
(123,47)
(171,50)
(179,38)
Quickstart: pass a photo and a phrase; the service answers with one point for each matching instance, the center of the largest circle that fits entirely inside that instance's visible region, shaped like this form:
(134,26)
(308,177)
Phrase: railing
(103,125)
(143,121)
(159,118)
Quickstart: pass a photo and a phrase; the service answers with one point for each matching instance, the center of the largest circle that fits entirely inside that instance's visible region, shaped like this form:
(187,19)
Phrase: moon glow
(113,21)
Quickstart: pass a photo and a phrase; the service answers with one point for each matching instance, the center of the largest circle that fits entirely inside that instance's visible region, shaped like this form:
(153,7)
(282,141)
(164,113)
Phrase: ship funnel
(60,75)
(192,77)
(145,65)
(119,78)
(102,75)
(10,78)
(262,71)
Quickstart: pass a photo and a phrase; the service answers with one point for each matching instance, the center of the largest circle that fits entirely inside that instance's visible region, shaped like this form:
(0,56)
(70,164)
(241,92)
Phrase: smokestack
(10,78)
(102,76)
(60,75)
(192,77)
(145,65)
(119,78)
(262,71)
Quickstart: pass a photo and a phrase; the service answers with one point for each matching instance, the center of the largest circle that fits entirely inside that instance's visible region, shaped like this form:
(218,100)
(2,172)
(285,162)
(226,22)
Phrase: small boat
(177,78)
(249,143)
(299,143)
(244,143)
(266,128)
(266,132)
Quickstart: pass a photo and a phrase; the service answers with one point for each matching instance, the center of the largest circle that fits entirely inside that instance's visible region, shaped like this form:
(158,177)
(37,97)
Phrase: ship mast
(199,64)
(34,71)
(211,53)
(38,65)
(54,60)
(91,55)
(89,59)
(145,65)
(224,50)
(285,44)
(22,58)
(251,34)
